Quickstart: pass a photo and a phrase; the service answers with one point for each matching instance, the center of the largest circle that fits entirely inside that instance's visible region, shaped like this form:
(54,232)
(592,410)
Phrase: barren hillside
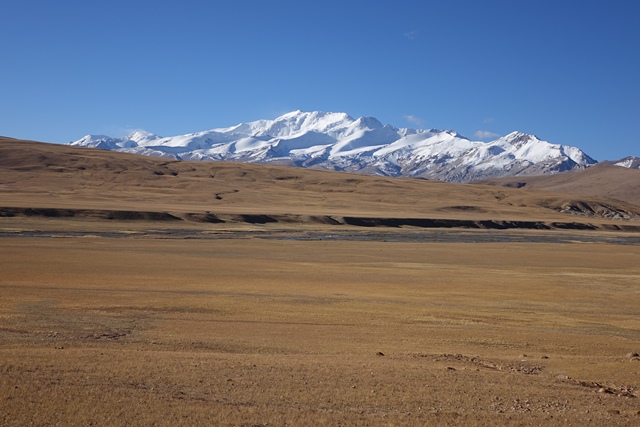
(602,180)
(81,181)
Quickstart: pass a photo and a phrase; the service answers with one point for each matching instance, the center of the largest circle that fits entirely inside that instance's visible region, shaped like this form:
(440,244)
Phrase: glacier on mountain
(336,141)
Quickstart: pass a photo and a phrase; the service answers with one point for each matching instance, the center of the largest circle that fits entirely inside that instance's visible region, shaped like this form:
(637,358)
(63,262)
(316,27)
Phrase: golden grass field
(116,322)
(600,180)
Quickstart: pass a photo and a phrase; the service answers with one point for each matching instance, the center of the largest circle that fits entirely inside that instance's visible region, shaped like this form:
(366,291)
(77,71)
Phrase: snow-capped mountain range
(337,141)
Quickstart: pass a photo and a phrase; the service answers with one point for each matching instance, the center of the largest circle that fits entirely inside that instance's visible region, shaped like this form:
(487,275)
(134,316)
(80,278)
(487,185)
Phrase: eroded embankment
(220,218)
(89,213)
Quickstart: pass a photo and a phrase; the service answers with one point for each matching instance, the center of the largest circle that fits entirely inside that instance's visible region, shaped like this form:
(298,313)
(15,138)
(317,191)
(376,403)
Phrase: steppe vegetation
(139,320)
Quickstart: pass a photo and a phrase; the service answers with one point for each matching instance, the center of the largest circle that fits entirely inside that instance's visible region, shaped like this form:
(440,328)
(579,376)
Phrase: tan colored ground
(117,322)
(125,331)
(602,180)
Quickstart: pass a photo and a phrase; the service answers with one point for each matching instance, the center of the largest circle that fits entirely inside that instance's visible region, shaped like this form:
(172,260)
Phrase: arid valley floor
(136,291)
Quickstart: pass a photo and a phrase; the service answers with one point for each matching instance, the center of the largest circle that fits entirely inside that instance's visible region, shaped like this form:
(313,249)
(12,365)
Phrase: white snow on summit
(337,141)
(630,162)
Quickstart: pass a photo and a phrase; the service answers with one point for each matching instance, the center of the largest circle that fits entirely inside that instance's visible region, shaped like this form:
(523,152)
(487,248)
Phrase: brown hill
(602,180)
(56,180)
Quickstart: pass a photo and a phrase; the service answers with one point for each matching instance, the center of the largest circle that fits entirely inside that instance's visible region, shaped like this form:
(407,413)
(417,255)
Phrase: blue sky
(565,70)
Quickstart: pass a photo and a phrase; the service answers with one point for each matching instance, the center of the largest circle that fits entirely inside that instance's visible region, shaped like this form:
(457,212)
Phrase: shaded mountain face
(630,162)
(336,141)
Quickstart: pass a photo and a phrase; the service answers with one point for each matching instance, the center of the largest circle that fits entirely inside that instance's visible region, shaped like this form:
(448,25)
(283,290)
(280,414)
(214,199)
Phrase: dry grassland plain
(118,323)
(124,331)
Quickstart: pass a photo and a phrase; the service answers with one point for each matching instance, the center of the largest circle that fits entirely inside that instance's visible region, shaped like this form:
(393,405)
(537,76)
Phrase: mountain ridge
(337,141)
(62,181)
(629,162)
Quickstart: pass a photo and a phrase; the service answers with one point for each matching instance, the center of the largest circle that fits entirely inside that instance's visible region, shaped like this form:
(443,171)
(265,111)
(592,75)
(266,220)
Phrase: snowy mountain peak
(369,123)
(450,132)
(337,141)
(141,135)
(629,162)
(312,117)
(519,138)
(90,138)
(293,113)
(297,122)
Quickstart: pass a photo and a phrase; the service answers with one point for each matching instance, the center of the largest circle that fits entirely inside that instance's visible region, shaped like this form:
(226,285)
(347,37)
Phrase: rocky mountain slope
(336,141)
(629,162)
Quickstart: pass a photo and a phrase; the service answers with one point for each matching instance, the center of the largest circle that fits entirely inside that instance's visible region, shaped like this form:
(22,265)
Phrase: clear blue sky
(565,70)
